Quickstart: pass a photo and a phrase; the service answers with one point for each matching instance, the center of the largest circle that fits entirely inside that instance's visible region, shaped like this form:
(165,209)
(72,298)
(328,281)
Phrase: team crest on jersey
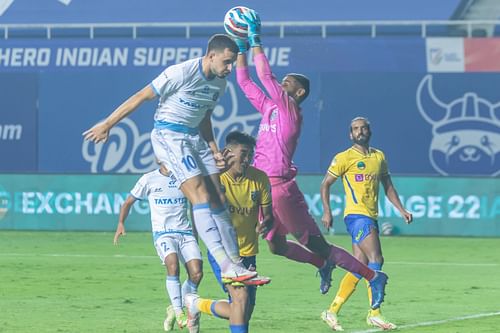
(172,183)
(254,195)
(215,96)
(361,165)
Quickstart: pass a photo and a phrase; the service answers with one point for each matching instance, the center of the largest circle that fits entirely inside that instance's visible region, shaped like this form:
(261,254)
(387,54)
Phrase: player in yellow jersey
(248,195)
(361,168)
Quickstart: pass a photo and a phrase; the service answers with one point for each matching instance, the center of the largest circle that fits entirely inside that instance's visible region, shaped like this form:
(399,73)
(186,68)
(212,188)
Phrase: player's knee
(196,276)
(172,268)
(376,258)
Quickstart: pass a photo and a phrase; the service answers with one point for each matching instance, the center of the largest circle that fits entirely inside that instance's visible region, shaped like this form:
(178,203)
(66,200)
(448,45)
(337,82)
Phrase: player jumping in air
(361,168)
(276,143)
(183,141)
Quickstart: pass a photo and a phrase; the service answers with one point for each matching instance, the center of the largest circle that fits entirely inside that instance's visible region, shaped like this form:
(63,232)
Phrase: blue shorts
(248,262)
(359,226)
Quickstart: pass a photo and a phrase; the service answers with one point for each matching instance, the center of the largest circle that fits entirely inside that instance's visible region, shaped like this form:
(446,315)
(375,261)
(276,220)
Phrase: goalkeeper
(276,143)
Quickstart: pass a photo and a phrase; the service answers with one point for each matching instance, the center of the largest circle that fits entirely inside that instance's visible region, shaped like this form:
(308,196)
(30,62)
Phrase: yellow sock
(205,305)
(369,289)
(347,287)
(375,313)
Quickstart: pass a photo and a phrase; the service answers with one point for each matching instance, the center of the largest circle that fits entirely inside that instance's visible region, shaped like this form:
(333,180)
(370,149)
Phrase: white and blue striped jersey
(185,94)
(167,203)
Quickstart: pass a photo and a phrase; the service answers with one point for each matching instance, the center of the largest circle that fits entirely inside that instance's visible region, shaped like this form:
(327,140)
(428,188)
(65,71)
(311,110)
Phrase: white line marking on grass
(436,322)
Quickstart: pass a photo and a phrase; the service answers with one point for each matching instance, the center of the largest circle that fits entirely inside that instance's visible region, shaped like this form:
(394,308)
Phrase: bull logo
(466,132)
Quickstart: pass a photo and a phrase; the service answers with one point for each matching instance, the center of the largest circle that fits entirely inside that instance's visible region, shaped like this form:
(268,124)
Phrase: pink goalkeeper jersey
(279,128)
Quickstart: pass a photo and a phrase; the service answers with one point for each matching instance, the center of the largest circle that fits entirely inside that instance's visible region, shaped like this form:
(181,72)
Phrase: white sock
(188,287)
(227,233)
(174,292)
(209,233)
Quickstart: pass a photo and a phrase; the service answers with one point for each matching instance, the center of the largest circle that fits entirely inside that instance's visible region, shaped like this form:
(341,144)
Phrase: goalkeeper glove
(242,44)
(253,20)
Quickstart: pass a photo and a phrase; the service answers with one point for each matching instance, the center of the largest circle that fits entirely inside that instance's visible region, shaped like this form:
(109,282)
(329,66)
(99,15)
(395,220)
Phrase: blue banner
(18,126)
(427,124)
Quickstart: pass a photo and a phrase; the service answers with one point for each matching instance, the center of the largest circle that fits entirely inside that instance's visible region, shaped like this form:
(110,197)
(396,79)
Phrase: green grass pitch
(80,282)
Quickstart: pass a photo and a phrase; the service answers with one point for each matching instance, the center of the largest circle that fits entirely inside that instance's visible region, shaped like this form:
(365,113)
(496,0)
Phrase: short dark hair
(304,82)
(240,138)
(220,42)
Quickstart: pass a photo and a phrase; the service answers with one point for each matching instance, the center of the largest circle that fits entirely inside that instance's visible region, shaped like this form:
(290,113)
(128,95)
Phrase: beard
(362,140)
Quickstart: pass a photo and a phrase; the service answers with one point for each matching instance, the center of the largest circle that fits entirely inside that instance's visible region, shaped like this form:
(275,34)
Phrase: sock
(204,305)
(174,292)
(208,232)
(213,311)
(376,267)
(346,288)
(227,233)
(375,312)
(343,259)
(299,253)
(188,287)
(238,328)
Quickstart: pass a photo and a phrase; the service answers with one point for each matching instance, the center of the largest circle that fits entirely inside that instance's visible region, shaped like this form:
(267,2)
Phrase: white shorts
(185,246)
(185,155)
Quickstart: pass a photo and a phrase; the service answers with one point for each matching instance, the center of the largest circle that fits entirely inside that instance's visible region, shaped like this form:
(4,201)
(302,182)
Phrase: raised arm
(270,83)
(100,131)
(252,91)
(266,76)
(124,211)
(392,195)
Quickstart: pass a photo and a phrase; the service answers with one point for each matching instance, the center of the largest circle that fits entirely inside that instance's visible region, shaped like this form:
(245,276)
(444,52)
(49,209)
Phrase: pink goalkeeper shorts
(291,214)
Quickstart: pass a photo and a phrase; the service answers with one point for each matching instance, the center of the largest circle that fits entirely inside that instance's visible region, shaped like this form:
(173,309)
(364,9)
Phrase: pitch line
(437,322)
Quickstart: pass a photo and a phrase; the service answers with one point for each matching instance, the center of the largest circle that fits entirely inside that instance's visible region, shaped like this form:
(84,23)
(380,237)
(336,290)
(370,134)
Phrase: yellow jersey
(245,196)
(361,177)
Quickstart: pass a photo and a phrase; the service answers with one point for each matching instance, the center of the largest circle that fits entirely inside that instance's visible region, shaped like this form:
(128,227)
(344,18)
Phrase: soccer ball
(234,23)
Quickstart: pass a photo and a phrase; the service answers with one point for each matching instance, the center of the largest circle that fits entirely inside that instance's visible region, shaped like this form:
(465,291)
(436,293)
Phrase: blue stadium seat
(159,32)
(479,32)
(15,33)
(399,30)
(70,33)
(496,30)
(347,30)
